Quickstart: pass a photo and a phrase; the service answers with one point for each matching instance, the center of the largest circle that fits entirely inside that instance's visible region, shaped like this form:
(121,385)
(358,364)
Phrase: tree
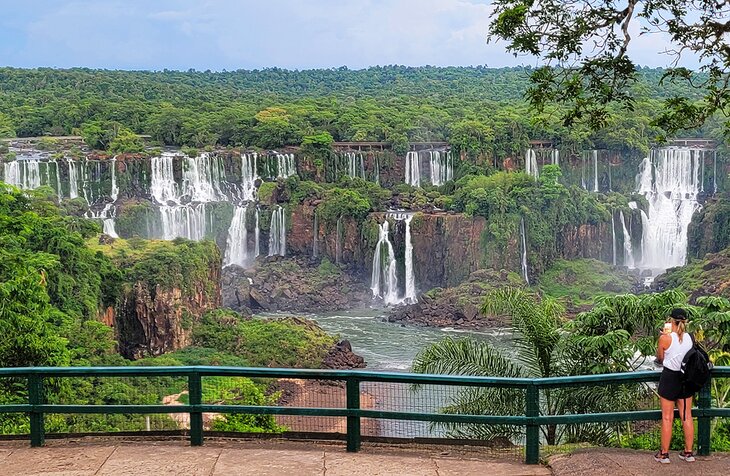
(472,137)
(539,345)
(6,126)
(584,45)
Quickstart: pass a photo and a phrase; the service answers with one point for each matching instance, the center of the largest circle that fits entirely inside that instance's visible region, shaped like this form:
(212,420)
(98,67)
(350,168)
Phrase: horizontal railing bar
(365,376)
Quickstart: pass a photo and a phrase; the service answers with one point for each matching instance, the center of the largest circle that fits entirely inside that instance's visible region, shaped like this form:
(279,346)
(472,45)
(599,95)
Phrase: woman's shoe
(687,456)
(662,458)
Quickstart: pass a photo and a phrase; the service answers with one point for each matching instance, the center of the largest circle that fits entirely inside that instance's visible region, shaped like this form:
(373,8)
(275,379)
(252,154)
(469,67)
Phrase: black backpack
(696,367)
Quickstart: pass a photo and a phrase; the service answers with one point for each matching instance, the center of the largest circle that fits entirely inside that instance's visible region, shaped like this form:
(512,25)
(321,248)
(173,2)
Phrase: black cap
(679,314)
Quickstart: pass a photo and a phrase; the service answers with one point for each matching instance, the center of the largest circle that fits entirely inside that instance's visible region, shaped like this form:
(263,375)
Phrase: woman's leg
(687,423)
(667,419)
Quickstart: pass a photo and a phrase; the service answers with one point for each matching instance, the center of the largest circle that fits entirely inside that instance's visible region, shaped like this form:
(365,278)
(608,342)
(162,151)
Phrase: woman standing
(673,345)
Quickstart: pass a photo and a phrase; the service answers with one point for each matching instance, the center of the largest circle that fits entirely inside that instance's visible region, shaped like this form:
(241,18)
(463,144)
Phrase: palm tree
(543,349)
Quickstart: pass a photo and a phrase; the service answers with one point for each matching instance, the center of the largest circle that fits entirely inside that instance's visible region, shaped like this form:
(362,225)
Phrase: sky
(248,34)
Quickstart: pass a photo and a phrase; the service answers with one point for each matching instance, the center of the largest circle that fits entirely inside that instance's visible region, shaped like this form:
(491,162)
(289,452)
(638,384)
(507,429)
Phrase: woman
(672,347)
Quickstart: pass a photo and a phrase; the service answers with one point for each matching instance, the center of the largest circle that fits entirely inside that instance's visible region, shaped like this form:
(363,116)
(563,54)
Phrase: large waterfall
(413,169)
(613,237)
(277,232)
(237,248)
(410,293)
(531,163)
(670,179)
(384,282)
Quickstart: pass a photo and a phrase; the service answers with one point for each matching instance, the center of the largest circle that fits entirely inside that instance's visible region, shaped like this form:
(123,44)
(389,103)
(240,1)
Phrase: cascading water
(183,221)
(285,165)
(23,173)
(377,169)
(556,157)
(413,169)
(237,252)
(202,176)
(73,179)
(257,232)
(248,176)
(162,185)
(59,191)
(355,165)
(277,233)
(594,153)
(531,163)
(384,282)
(613,237)
(442,167)
(410,294)
(628,247)
(670,181)
(523,240)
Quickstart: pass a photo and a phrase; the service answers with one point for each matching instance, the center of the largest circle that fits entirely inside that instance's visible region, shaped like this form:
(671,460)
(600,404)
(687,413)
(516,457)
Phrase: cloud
(230,34)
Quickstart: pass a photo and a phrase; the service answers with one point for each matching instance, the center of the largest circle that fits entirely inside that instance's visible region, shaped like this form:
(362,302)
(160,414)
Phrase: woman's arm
(665,341)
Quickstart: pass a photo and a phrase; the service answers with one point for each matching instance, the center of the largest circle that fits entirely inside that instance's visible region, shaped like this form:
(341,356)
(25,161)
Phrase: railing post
(704,423)
(35,397)
(195,392)
(532,432)
(353,422)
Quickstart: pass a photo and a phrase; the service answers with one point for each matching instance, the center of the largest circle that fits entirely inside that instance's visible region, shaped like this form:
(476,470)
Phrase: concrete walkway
(247,457)
(620,462)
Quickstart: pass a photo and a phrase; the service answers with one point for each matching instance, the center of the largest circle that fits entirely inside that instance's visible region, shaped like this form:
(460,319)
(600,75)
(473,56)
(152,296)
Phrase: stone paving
(247,457)
(620,462)
(273,457)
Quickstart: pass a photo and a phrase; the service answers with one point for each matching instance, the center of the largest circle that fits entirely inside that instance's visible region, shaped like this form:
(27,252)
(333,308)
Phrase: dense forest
(474,108)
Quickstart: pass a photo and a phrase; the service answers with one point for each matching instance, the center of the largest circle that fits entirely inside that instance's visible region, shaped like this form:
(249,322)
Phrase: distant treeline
(478,109)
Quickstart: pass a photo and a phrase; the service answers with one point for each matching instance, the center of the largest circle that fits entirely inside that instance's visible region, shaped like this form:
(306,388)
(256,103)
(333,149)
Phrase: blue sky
(247,34)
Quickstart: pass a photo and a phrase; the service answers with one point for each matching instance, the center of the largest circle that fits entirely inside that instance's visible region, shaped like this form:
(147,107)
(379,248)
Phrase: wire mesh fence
(413,397)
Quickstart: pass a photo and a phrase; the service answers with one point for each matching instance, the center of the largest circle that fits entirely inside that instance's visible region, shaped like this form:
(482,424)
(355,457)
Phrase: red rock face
(153,321)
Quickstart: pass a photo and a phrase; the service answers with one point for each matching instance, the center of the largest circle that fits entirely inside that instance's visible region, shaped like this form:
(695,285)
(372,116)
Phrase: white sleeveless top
(674,355)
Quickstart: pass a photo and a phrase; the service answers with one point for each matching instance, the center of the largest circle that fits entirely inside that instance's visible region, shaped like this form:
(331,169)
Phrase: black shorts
(670,385)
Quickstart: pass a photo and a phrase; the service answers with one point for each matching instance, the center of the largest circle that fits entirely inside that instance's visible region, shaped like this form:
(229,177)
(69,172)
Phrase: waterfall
(59,191)
(277,233)
(23,173)
(355,165)
(248,176)
(583,182)
(338,241)
(613,237)
(410,295)
(162,184)
(257,247)
(644,236)
(285,165)
(202,176)
(413,169)
(595,170)
(531,163)
(384,282)
(670,181)
(376,160)
(183,221)
(442,169)
(237,242)
(315,233)
(628,248)
(523,239)
(73,179)
(556,157)
(115,190)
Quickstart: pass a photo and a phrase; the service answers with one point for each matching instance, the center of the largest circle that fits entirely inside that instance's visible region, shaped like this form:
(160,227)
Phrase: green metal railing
(36,408)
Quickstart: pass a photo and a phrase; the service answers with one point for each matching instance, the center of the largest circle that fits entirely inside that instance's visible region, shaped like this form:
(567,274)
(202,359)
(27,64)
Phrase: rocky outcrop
(341,357)
(292,284)
(707,277)
(457,306)
(169,287)
(709,230)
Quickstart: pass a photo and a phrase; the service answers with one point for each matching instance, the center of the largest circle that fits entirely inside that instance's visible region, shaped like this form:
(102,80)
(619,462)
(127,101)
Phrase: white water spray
(384,282)
(628,247)
(277,233)
(413,169)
